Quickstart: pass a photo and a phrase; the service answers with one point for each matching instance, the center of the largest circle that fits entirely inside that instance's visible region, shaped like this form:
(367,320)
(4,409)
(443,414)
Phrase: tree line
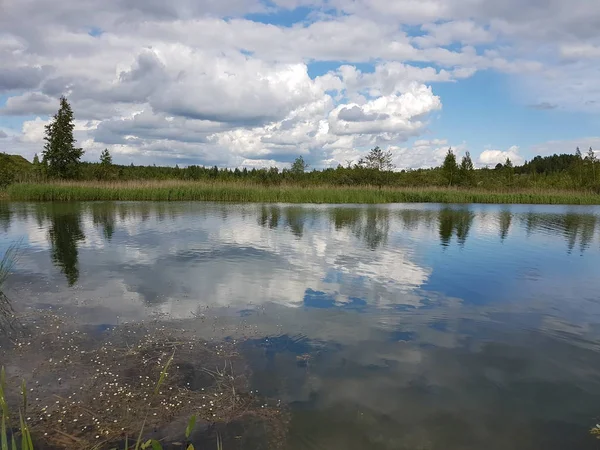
(61,159)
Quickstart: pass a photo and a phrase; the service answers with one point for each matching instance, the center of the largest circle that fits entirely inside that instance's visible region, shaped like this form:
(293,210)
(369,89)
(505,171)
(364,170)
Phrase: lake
(387,327)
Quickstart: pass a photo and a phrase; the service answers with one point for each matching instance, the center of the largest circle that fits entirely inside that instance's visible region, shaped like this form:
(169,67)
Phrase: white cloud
(396,114)
(425,153)
(30,103)
(463,31)
(579,51)
(239,90)
(197,82)
(566,146)
(493,157)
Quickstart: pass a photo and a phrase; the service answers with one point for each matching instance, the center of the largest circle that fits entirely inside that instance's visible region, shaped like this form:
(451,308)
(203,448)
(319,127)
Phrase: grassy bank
(245,192)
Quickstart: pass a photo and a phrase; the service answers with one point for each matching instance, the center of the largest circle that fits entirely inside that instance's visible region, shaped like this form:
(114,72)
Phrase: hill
(12,168)
(17,162)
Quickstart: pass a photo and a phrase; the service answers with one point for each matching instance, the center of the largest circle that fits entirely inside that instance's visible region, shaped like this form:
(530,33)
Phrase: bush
(7,176)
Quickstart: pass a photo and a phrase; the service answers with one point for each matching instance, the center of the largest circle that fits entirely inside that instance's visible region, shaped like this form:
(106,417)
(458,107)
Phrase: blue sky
(257,83)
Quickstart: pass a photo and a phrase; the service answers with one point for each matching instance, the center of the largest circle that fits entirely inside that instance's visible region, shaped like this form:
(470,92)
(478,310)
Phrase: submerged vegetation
(133,386)
(252,192)
(137,387)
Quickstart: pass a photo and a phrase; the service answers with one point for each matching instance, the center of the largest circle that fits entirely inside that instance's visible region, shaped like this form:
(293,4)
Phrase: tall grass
(247,192)
(7,314)
(8,261)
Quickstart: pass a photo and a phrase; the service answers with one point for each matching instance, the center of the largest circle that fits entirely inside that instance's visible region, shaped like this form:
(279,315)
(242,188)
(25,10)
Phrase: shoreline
(255,193)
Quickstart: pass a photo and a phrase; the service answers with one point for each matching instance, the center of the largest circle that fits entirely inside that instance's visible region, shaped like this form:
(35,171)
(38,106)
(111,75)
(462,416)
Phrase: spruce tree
(104,169)
(466,169)
(38,167)
(449,168)
(60,154)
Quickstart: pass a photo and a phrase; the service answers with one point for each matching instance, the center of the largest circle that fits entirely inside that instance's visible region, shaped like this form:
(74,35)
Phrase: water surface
(391,327)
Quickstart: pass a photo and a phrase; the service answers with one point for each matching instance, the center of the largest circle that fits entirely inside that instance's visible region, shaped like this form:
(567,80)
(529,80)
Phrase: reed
(248,192)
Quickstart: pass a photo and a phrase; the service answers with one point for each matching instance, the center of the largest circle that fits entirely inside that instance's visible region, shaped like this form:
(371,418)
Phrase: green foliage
(105,158)
(105,170)
(190,426)
(7,262)
(252,192)
(449,167)
(60,154)
(299,166)
(569,172)
(7,177)
(13,168)
(466,170)
(509,171)
(592,162)
(38,169)
(26,440)
(377,159)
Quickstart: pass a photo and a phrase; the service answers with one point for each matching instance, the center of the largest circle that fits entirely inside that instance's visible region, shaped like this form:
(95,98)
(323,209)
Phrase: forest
(565,171)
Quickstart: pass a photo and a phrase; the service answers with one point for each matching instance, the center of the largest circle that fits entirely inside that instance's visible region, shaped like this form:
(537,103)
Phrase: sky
(256,83)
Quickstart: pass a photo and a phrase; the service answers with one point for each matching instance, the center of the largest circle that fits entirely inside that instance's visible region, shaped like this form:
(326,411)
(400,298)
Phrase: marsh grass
(7,313)
(8,261)
(6,430)
(249,192)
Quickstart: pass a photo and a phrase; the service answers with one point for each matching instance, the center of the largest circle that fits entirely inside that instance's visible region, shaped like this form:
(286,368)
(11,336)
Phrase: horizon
(250,84)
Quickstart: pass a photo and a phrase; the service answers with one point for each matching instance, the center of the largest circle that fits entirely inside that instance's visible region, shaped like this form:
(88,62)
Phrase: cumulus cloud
(579,51)
(493,157)
(3,134)
(21,77)
(30,103)
(397,114)
(240,90)
(201,82)
(463,31)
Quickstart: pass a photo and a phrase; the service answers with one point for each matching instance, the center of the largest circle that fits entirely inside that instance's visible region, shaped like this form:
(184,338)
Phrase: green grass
(244,192)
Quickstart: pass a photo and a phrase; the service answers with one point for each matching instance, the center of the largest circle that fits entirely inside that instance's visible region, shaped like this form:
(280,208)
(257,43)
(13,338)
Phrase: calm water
(388,327)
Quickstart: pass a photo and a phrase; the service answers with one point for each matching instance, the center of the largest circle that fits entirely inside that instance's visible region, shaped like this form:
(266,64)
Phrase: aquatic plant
(128,388)
(7,263)
(24,430)
(250,192)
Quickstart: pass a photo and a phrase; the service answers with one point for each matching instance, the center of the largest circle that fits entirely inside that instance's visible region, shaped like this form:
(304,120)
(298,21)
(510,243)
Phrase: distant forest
(564,171)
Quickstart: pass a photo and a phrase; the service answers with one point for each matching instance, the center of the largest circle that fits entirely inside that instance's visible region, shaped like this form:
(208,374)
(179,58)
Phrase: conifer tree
(466,169)
(60,154)
(449,167)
